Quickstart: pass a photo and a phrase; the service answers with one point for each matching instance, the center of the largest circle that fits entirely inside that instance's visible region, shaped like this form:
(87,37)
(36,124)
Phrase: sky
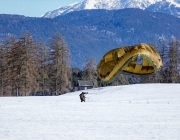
(32,8)
(126,112)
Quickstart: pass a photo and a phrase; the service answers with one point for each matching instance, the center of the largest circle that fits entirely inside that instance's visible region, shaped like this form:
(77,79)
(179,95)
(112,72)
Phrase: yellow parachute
(141,59)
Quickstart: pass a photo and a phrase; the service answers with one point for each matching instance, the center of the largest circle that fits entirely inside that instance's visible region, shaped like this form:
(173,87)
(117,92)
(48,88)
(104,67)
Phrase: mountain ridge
(92,33)
(172,5)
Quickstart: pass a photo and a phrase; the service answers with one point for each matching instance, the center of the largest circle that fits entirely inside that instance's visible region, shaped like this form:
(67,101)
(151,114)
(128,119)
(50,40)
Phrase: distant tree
(9,64)
(30,68)
(163,51)
(173,63)
(151,78)
(60,73)
(89,71)
(133,79)
(76,75)
(121,80)
(43,78)
(2,65)
(13,68)
(21,67)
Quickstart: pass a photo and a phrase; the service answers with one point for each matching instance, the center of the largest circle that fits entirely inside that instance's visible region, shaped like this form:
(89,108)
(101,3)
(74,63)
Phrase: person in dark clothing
(82,96)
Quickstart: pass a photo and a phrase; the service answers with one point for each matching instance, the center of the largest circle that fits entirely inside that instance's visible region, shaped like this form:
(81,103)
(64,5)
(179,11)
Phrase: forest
(33,68)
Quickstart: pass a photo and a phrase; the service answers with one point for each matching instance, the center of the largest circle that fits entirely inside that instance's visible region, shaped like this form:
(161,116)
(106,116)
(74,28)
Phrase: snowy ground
(132,112)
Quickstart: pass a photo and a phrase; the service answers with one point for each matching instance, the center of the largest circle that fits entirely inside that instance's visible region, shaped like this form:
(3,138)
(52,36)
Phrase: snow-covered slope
(101,4)
(131,112)
(117,4)
(63,10)
(168,7)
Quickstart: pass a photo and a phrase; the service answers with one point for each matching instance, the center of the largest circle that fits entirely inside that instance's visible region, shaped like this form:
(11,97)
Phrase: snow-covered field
(132,112)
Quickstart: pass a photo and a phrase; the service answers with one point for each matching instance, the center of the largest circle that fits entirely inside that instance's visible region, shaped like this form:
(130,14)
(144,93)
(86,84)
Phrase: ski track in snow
(130,112)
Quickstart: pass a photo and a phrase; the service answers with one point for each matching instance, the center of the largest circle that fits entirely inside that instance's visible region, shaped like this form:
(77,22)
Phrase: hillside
(91,33)
(131,112)
(168,7)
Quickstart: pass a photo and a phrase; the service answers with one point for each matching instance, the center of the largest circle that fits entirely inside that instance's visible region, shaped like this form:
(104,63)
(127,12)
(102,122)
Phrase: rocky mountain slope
(101,4)
(165,6)
(92,33)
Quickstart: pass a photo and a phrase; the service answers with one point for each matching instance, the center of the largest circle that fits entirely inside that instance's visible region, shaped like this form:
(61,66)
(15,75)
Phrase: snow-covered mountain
(166,6)
(101,4)
(63,10)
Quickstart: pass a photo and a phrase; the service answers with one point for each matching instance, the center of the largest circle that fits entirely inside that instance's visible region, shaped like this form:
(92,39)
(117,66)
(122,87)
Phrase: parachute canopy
(141,59)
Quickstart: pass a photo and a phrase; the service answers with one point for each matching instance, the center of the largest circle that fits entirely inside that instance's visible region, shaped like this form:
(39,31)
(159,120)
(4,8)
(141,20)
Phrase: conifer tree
(60,65)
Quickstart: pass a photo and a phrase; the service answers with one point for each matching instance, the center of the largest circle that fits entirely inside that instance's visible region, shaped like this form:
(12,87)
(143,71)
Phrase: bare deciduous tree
(89,72)
(43,79)
(21,67)
(2,64)
(173,63)
(60,62)
(121,80)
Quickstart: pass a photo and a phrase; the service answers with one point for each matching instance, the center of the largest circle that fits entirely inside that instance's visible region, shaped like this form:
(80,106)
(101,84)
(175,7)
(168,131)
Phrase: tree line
(29,67)
(169,51)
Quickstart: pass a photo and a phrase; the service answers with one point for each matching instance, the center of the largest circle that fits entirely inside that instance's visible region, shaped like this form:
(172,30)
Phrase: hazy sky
(32,8)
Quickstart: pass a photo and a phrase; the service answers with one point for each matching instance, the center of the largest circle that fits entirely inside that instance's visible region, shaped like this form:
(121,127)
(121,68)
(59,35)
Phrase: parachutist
(82,96)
